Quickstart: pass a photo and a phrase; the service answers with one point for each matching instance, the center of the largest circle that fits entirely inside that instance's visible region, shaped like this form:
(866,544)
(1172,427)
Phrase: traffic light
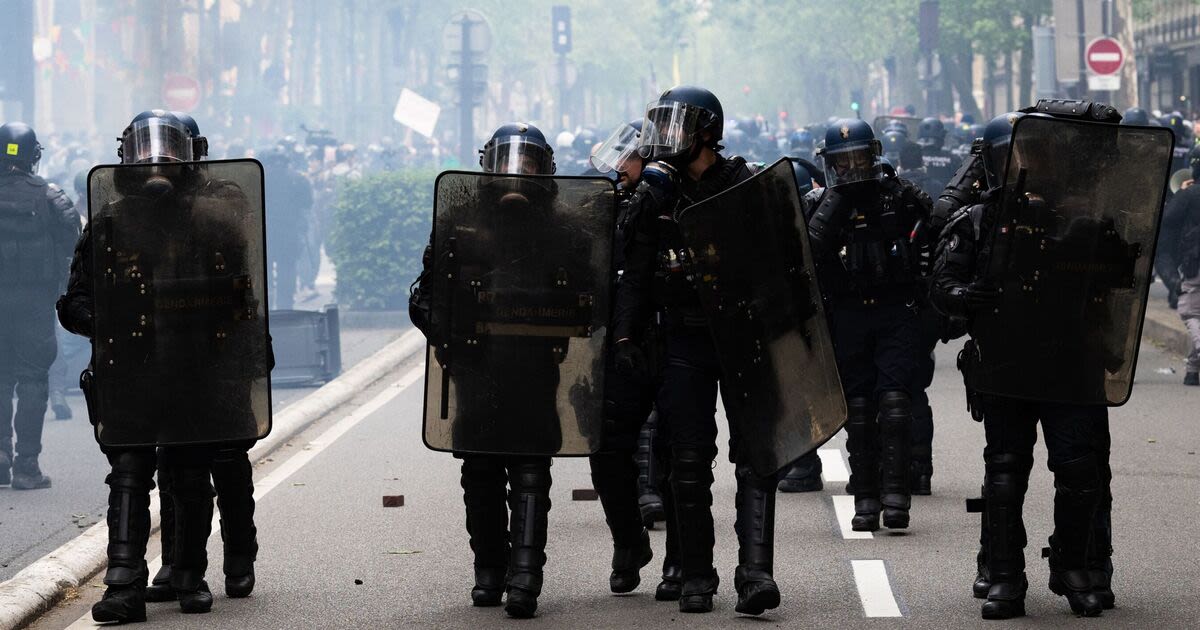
(560,17)
(856,99)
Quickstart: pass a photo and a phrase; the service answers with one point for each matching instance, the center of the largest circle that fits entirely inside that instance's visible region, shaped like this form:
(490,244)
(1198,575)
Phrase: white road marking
(833,466)
(297,461)
(843,508)
(874,589)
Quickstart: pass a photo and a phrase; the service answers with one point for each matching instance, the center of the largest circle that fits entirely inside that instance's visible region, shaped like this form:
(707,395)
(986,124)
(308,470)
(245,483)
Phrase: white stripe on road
(874,589)
(833,467)
(299,460)
(843,508)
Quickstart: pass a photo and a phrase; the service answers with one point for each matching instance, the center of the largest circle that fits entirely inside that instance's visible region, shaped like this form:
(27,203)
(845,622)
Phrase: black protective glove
(976,297)
(631,361)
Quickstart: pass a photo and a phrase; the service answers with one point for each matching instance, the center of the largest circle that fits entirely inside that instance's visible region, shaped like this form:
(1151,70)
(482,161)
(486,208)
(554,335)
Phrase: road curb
(39,586)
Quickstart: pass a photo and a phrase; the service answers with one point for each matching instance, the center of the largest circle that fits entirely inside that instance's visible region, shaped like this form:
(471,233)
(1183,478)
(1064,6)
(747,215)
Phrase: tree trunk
(957,66)
(1127,96)
(1025,70)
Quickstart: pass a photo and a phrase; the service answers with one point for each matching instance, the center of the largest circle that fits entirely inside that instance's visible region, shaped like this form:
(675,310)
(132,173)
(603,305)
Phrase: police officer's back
(38,228)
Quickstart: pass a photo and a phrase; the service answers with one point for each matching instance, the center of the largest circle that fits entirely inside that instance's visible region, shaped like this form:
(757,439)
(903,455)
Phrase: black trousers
(27,349)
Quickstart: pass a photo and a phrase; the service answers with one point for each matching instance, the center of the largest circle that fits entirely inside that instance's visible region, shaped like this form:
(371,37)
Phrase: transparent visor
(995,162)
(669,129)
(847,165)
(156,140)
(616,150)
(516,155)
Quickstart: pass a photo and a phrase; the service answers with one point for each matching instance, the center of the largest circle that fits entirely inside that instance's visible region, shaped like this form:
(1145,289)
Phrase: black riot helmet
(614,153)
(675,121)
(1135,116)
(199,142)
(894,141)
(20,144)
(802,142)
(519,149)
(896,127)
(155,135)
(997,137)
(1174,122)
(931,133)
(851,153)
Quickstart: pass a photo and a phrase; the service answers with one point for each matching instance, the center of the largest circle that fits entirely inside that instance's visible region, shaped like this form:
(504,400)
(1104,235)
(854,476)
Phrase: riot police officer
(508,541)
(681,138)
(939,163)
(1076,434)
(232,480)
(38,223)
(624,471)
(212,207)
(873,289)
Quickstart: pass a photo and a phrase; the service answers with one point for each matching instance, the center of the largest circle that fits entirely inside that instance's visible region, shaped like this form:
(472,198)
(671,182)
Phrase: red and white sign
(1105,56)
(180,92)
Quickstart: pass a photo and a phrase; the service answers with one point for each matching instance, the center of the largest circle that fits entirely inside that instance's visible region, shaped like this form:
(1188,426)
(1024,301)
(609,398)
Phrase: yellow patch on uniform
(12,148)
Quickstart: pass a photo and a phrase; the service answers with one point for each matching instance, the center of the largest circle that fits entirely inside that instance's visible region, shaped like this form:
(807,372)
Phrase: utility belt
(673,285)
(855,296)
(877,263)
(690,318)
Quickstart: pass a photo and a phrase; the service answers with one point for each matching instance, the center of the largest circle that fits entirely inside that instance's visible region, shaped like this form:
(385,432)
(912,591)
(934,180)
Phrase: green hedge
(381,224)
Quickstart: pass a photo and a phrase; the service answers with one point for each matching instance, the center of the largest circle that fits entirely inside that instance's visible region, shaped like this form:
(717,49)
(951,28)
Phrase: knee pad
(1078,477)
(1007,477)
(530,475)
(132,470)
(858,409)
(895,404)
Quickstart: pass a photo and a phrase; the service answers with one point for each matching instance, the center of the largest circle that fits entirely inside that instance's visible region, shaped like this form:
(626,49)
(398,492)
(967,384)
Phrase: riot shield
(180,352)
(754,272)
(1071,251)
(521,291)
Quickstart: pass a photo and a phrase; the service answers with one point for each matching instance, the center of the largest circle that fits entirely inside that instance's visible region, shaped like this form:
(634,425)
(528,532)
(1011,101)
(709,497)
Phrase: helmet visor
(995,162)
(516,155)
(850,164)
(156,140)
(669,129)
(616,150)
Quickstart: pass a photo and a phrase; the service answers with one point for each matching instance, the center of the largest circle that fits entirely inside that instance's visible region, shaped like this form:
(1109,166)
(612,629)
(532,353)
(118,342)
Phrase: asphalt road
(333,557)
(35,522)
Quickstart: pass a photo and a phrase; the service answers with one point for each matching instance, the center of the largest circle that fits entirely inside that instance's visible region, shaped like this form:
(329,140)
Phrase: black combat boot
(691,488)
(862,444)
(484,483)
(529,504)
(921,475)
(26,475)
(129,486)
(1007,478)
(233,480)
(650,501)
(160,587)
(804,475)
(615,478)
(1076,497)
(895,426)
(672,572)
(755,527)
(193,492)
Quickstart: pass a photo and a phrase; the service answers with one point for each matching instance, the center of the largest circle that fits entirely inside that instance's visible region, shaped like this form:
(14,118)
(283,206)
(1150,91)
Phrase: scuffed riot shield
(754,272)
(1071,250)
(521,291)
(180,352)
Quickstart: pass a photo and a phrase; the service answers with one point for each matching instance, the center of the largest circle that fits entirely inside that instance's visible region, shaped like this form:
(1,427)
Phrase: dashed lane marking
(297,461)
(833,466)
(843,508)
(874,589)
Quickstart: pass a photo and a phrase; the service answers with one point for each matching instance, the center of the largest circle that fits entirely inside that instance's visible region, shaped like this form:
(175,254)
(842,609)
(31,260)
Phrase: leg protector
(129,485)
(1006,480)
(755,527)
(529,504)
(862,444)
(484,482)
(193,494)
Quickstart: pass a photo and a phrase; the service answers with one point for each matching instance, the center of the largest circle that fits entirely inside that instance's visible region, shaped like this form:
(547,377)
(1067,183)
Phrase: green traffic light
(854,106)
